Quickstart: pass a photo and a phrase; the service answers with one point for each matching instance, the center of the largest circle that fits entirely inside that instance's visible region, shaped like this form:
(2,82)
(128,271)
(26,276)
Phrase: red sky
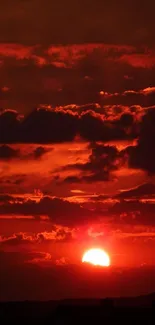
(77,139)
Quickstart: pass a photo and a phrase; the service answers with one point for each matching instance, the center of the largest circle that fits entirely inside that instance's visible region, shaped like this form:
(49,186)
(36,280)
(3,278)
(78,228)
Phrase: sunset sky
(77,147)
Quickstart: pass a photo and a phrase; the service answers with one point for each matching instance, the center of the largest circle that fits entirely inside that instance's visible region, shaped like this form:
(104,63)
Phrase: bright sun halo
(96,256)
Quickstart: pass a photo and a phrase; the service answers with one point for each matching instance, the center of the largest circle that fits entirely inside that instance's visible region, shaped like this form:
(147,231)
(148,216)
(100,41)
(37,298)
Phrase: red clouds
(144,60)
(18,51)
(57,233)
(60,56)
(74,73)
(77,139)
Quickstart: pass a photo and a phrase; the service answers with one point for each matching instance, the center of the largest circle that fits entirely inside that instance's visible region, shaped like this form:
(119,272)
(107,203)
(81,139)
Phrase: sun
(96,256)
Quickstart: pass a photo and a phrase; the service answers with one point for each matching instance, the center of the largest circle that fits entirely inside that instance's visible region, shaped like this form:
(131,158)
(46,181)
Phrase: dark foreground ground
(139,310)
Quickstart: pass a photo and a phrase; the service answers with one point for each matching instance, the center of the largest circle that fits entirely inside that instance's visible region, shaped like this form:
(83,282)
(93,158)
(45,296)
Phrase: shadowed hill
(136,310)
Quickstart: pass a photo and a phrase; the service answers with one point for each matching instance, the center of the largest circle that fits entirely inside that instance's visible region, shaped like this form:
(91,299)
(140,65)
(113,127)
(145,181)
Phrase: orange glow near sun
(96,256)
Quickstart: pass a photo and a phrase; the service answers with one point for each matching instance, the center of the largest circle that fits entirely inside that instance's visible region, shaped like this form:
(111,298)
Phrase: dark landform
(124,310)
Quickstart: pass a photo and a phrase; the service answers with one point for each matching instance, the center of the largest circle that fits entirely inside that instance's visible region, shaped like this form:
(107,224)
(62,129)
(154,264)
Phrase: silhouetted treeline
(72,312)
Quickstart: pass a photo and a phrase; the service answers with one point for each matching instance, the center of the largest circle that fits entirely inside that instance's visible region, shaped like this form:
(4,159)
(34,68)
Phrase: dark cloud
(102,161)
(142,191)
(9,259)
(46,125)
(133,212)
(6,198)
(101,130)
(39,152)
(41,126)
(126,120)
(16,179)
(142,156)
(9,126)
(123,211)
(58,210)
(7,152)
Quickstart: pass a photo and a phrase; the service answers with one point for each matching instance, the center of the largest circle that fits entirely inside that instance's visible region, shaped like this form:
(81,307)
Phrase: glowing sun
(96,256)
